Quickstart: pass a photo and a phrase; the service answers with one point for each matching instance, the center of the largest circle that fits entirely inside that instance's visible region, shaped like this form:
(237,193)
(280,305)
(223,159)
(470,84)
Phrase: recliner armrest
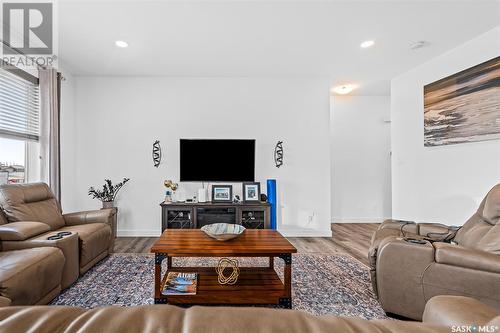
(436,231)
(447,310)
(90,216)
(430,228)
(400,266)
(460,256)
(19,231)
(401,225)
(431,231)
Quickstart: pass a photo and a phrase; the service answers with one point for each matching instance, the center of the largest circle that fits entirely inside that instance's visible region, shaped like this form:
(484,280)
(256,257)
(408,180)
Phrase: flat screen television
(215,160)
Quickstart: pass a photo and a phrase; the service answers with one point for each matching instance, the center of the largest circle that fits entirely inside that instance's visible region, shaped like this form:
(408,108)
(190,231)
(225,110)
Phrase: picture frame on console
(251,192)
(222,193)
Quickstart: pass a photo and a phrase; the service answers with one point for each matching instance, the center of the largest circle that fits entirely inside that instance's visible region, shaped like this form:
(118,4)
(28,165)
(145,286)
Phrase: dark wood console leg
(271,262)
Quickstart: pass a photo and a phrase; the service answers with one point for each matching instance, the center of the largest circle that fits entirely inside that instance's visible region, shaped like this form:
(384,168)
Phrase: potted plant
(108,193)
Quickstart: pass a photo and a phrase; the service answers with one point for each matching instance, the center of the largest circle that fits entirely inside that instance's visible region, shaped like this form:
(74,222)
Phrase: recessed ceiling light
(367,43)
(419,44)
(344,89)
(121,43)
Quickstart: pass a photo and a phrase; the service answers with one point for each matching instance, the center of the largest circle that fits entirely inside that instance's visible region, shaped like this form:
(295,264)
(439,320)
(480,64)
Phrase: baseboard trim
(360,220)
(138,233)
(297,232)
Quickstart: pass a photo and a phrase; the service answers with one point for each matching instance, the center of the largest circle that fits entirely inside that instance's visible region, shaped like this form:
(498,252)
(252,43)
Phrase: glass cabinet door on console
(252,218)
(177,218)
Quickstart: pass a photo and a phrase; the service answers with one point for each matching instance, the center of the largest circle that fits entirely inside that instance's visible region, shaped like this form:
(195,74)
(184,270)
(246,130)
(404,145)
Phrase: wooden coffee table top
(195,243)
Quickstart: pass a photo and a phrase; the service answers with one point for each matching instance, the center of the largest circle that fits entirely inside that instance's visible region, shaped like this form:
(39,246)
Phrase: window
(19,129)
(13,161)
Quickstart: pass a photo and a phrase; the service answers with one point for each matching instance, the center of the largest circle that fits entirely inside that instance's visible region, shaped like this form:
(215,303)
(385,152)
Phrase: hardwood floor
(348,238)
(133,244)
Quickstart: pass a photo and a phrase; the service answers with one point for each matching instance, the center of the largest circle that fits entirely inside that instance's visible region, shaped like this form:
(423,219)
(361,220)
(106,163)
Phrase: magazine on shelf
(180,284)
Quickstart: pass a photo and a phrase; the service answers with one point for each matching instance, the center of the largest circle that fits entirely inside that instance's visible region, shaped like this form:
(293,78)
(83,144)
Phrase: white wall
(118,118)
(446,183)
(361,165)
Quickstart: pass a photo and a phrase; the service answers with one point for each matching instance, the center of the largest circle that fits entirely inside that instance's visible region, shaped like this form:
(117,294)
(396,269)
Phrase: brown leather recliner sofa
(33,268)
(442,314)
(450,261)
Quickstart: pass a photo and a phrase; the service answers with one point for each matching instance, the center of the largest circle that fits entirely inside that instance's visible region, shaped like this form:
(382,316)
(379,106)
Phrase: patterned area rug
(322,284)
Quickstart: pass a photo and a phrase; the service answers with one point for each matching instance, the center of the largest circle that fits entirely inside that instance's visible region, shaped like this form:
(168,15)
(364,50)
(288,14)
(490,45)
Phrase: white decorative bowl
(223,231)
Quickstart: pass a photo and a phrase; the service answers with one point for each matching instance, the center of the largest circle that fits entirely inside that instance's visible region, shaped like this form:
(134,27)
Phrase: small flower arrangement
(171,185)
(170,195)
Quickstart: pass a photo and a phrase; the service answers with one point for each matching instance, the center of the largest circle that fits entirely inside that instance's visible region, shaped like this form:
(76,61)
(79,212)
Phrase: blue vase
(271,198)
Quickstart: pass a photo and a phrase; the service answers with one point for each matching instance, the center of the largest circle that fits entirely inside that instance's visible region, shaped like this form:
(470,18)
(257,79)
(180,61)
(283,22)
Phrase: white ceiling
(264,38)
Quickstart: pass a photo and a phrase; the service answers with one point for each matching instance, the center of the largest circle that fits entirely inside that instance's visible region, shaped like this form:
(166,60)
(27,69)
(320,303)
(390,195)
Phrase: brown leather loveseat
(410,263)
(34,268)
(442,314)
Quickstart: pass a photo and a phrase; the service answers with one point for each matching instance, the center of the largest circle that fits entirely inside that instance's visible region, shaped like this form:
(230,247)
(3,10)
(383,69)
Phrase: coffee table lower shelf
(255,285)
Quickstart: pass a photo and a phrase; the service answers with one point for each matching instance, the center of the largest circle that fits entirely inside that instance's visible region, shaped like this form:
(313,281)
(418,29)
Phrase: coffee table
(255,285)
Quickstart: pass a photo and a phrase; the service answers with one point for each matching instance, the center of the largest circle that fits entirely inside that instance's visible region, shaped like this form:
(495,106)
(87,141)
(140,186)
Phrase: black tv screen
(217,160)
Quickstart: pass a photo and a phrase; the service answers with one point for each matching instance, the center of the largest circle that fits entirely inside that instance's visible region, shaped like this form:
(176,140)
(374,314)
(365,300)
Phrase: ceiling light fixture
(121,43)
(367,44)
(418,45)
(344,89)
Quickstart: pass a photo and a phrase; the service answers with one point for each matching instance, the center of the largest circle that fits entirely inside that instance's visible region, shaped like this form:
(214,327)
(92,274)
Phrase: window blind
(19,108)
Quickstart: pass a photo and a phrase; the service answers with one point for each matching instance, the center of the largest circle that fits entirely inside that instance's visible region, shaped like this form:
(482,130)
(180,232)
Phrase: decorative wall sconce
(278,154)
(156,154)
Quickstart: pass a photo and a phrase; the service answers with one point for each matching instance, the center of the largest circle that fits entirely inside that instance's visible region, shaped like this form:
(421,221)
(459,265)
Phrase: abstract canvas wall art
(463,107)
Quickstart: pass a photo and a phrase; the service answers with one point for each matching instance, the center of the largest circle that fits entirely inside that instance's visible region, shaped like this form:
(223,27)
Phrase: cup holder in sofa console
(415,241)
(59,235)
